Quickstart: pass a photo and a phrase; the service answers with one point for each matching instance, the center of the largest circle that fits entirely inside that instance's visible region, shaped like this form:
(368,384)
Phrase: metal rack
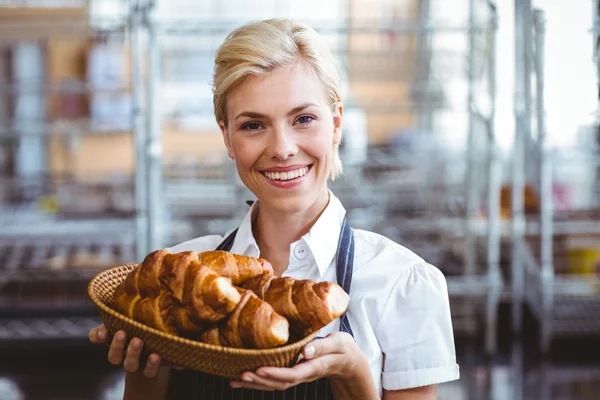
(57,228)
(45,271)
(565,305)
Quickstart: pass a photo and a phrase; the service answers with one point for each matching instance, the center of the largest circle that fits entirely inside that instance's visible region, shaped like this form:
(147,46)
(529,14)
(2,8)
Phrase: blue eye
(306,119)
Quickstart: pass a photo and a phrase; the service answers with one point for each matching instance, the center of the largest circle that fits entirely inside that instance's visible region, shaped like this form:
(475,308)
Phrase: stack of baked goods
(225,299)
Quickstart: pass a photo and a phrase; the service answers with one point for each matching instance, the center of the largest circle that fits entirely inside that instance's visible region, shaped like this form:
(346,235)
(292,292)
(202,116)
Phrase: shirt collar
(244,242)
(322,239)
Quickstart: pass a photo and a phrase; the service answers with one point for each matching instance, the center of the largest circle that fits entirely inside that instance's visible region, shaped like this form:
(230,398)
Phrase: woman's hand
(336,357)
(127,354)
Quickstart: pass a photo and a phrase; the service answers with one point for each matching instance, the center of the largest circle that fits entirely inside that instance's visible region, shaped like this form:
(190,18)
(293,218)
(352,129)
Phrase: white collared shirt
(398,307)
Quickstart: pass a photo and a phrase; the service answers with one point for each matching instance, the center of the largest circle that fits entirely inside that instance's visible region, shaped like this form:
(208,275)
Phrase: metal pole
(495,182)
(518,179)
(517,369)
(545,380)
(546,204)
(5,87)
(139,131)
(596,39)
(426,193)
(154,144)
(471,187)
(424,66)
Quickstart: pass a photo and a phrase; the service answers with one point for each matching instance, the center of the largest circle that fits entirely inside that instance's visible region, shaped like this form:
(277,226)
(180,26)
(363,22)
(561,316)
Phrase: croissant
(236,267)
(170,269)
(308,305)
(175,293)
(253,324)
(207,296)
(156,312)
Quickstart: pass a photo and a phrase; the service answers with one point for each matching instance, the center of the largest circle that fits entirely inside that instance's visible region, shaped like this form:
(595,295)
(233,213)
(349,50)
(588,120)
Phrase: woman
(278,102)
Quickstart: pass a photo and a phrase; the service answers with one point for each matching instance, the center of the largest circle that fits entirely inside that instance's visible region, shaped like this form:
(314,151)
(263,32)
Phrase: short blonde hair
(258,48)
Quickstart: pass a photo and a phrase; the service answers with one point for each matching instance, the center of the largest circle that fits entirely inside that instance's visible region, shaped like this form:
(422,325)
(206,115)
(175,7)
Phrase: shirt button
(301,251)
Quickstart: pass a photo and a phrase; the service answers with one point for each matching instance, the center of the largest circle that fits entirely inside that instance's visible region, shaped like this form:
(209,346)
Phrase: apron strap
(227,243)
(345,267)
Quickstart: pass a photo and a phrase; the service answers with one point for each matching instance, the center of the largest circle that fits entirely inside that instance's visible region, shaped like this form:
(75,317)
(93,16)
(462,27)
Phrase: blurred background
(472,136)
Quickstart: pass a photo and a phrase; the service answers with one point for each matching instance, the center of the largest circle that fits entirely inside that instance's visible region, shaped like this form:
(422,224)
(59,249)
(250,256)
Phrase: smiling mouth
(289,175)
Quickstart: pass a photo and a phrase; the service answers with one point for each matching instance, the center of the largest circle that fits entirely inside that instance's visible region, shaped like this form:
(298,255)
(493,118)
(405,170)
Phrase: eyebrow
(295,110)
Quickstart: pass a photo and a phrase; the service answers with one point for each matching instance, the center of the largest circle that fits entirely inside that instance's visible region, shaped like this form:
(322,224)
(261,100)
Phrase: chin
(291,204)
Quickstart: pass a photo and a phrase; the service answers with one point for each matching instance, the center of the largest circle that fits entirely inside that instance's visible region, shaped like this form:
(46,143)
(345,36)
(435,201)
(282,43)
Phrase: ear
(338,111)
(226,140)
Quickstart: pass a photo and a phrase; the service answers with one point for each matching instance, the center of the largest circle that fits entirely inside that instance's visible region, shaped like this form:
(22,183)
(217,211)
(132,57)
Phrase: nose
(282,144)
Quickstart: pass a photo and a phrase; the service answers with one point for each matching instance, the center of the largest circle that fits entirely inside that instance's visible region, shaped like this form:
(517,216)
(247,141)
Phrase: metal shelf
(558,374)
(223,27)
(63,127)
(479,226)
(50,276)
(47,328)
(72,87)
(36,225)
(38,302)
(564,305)
(470,286)
(567,305)
(42,258)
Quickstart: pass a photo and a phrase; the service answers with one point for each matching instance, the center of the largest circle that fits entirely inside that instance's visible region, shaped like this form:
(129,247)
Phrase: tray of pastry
(47,260)
(215,311)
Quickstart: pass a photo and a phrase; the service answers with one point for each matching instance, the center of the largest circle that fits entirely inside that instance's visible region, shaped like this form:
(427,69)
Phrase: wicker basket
(224,361)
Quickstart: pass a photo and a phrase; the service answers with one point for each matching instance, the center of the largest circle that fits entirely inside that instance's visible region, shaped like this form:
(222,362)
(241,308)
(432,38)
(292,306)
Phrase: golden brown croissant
(156,312)
(236,267)
(207,297)
(175,293)
(308,305)
(252,325)
(163,267)
(122,301)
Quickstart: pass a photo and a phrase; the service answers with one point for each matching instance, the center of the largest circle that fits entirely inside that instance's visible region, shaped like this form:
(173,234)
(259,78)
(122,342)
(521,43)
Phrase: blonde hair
(259,47)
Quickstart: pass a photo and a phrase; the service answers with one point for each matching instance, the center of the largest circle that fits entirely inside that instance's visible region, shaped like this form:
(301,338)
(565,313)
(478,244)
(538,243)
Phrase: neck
(282,229)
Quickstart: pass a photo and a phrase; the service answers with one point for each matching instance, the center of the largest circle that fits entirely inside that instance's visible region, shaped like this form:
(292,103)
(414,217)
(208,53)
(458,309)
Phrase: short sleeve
(415,331)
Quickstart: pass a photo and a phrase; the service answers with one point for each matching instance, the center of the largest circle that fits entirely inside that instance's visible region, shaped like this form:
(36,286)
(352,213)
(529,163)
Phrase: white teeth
(286,176)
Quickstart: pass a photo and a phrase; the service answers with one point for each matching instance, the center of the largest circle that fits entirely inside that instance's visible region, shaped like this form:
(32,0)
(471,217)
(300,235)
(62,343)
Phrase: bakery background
(471,136)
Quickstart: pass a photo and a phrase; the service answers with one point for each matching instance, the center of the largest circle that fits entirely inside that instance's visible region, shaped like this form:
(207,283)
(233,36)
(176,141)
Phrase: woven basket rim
(221,349)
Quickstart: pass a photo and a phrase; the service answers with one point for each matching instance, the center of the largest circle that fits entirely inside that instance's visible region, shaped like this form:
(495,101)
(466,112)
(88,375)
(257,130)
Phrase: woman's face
(280,132)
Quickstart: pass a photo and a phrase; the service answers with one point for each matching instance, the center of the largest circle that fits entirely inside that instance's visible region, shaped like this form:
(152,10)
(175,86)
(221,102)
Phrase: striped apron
(194,385)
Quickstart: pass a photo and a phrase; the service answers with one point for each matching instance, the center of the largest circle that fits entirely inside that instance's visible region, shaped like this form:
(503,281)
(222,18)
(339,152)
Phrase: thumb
(335,342)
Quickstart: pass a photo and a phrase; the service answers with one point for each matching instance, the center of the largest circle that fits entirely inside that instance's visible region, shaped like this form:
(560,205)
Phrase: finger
(152,366)
(132,357)
(98,335)
(93,335)
(308,371)
(335,343)
(244,385)
(117,348)
(175,367)
(102,334)
(253,381)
